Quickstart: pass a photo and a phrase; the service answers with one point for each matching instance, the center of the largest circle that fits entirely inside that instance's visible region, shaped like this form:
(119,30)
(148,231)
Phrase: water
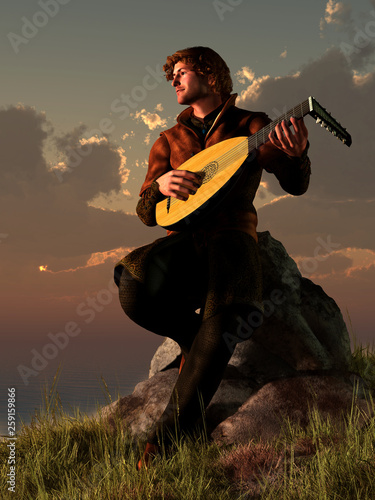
(122,365)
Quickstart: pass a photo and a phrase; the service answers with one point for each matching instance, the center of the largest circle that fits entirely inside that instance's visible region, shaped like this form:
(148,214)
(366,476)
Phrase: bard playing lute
(219,167)
(201,284)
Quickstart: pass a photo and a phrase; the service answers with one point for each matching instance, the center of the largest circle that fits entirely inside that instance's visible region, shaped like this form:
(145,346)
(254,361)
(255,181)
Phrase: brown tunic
(179,143)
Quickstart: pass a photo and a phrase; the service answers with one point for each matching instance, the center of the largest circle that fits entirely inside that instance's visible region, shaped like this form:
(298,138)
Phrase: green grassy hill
(72,458)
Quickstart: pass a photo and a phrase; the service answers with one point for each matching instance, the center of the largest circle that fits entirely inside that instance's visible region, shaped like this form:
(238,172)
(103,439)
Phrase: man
(215,266)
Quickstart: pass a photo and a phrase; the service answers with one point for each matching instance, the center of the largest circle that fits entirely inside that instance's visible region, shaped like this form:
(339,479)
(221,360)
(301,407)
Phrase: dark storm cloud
(339,172)
(45,217)
(356,36)
(303,223)
(340,198)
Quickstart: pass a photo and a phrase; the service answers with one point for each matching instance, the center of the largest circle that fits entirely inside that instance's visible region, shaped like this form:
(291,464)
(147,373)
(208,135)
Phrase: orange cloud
(253,90)
(95,259)
(152,120)
(244,74)
(346,262)
(336,12)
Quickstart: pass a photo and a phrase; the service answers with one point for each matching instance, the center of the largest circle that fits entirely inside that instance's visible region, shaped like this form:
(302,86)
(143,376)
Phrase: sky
(82,100)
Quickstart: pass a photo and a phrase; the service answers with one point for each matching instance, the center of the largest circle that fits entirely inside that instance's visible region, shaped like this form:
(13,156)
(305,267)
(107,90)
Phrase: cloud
(337,13)
(284,54)
(328,230)
(357,37)
(347,260)
(21,155)
(152,120)
(353,294)
(127,134)
(338,172)
(142,164)
(361,79)
(254,90)
(325,265)
(94,259)
(304,220)
(244,74)
(46,219)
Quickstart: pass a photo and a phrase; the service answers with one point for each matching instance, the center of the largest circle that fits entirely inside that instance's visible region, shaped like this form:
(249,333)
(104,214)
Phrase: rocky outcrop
(297,358)
(293,399)
(144,406)
(303,329)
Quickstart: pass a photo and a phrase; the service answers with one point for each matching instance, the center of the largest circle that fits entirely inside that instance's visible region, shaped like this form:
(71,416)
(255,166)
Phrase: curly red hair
(205,62)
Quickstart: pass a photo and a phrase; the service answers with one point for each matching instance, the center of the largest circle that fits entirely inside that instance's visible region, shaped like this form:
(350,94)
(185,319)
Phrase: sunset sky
(83,99)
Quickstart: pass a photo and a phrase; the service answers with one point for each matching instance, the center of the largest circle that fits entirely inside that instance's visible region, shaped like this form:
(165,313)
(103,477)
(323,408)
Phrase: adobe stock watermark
(361,39)
(12,456)
(310,264)
(121,106)
(87,309)
(255,319)
(276,113)
(221,8)
(30,27)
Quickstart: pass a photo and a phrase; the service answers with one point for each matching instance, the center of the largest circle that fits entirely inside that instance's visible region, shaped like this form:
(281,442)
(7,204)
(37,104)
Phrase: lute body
(218,171)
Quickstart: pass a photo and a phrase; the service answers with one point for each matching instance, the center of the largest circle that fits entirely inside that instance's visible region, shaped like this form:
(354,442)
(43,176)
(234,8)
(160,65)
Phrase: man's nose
(175,81)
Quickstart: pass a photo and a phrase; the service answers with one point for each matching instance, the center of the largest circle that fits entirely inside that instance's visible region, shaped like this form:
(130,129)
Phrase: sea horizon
(88,376)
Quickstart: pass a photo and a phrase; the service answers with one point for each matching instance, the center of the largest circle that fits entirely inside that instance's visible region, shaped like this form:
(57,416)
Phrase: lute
(220,165)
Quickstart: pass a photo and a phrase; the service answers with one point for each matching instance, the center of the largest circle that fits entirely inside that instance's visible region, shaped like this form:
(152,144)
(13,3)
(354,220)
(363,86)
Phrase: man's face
(190,87)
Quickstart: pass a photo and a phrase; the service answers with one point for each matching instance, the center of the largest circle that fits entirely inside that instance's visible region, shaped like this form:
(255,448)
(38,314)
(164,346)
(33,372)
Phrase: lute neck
(260,137)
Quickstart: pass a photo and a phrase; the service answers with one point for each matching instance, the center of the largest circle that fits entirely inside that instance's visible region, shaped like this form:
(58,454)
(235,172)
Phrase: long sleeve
(158,162)
(293,173)
(147,203)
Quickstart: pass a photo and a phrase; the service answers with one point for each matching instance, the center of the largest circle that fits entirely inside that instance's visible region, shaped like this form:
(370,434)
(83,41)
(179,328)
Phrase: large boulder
(299,356)
(144,406)
(303,329)
(293,399)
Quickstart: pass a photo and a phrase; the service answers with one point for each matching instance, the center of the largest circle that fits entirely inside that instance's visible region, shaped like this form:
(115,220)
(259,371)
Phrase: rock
(263,414)
(166,356)
(299,356)
(144,406)
(303,329)
(239,411)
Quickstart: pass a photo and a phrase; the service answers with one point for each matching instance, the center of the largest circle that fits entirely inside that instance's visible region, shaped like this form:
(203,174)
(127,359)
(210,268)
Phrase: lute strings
(252,143)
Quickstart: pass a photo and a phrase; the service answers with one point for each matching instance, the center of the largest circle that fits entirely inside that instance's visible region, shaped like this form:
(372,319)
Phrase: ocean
(82,367)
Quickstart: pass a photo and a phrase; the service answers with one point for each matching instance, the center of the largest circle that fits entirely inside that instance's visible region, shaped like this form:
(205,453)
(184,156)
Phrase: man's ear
(211,82)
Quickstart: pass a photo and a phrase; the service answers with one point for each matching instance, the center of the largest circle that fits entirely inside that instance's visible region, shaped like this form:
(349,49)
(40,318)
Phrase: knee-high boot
(201,375)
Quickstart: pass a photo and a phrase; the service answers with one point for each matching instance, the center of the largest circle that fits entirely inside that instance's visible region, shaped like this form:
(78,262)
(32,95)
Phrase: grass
(66,457)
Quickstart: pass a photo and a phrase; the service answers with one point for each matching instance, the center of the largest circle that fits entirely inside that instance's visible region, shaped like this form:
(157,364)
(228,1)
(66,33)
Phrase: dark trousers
(224,281)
